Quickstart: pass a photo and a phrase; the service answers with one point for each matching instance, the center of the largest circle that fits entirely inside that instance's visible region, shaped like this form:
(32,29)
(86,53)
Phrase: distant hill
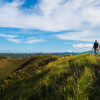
(50,77)
(31,54)
(91,51)
(18,54)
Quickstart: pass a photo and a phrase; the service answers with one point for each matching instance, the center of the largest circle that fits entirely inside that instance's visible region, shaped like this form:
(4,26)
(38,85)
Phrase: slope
(54,78)
(10,65)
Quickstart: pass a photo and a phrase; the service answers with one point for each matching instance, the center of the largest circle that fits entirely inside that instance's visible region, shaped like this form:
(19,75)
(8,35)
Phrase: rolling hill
(50,77)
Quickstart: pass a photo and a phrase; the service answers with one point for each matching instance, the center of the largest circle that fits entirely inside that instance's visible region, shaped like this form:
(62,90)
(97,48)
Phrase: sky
(34,26)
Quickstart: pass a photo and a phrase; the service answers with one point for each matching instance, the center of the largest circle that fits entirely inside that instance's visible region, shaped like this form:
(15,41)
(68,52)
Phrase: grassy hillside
(10,65)
(48,77)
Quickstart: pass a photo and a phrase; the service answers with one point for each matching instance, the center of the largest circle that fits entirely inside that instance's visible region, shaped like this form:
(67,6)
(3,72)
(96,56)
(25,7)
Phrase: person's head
(96,41)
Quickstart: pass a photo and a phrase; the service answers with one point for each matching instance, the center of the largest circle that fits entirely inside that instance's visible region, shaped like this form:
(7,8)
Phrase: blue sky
(49,26)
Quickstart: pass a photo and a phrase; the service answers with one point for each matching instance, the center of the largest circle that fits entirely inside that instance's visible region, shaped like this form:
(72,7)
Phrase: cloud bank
(80,36)
(55,15)
(52,15)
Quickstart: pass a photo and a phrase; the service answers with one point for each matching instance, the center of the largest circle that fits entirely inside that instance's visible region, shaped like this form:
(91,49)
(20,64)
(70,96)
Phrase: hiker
(96,47)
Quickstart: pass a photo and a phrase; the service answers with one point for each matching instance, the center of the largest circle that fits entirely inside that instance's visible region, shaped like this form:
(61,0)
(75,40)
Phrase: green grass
(52,78)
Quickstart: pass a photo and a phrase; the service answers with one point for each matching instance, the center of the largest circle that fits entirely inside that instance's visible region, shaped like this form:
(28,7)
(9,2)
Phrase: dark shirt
(96,45)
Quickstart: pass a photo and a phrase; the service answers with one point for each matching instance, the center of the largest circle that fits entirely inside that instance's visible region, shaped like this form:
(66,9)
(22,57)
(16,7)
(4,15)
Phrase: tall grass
(66,78)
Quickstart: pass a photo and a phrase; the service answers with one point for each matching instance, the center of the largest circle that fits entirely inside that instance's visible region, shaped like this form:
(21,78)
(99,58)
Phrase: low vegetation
(48,77)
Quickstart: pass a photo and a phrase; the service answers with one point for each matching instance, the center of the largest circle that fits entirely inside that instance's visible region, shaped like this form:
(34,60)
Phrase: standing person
(96,47)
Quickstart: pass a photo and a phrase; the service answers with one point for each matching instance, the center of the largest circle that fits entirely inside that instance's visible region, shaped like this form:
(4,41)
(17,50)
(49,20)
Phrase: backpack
(96,45)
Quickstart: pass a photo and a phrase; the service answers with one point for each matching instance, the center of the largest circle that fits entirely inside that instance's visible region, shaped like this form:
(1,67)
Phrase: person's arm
(99,46)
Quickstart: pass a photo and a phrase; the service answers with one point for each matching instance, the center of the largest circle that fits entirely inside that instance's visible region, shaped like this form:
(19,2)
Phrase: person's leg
(95,51)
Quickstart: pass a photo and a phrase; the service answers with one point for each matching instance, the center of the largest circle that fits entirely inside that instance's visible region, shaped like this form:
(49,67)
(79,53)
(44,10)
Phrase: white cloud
(33,40)
(82,45)
(8,36)
(81,36)
(55,15)
(47,6)
(11,38)
(14,40)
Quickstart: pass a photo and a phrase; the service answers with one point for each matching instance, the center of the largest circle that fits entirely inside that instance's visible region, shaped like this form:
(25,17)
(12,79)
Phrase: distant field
(49,77)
